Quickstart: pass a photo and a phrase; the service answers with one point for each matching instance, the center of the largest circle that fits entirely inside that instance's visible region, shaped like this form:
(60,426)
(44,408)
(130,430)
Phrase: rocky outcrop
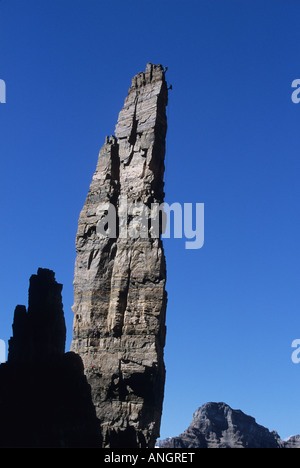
(120,272)
(39,334)
(45,400)
(216,425)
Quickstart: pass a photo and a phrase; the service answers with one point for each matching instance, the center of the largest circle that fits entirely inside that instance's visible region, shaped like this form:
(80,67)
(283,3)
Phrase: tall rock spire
(120,272)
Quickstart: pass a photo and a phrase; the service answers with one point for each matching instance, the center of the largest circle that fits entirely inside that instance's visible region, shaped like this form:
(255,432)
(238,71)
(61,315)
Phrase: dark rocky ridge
(45,400)
(216,425)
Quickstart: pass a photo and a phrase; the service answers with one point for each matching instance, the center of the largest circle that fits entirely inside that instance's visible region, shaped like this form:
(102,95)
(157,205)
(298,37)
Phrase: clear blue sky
(233,144)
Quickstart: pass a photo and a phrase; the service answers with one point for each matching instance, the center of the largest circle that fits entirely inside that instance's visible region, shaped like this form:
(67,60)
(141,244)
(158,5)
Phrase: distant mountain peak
(217,425)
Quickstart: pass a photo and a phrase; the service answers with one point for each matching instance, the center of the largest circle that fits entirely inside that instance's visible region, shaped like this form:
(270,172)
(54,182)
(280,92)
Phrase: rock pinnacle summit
(119,285)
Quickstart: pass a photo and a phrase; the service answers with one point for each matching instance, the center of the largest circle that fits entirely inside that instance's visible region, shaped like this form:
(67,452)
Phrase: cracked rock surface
(119,284)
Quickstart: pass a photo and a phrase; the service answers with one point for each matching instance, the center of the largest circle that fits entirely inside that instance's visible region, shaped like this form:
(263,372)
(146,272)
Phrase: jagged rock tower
(45,399)
(39,333)
(119,286)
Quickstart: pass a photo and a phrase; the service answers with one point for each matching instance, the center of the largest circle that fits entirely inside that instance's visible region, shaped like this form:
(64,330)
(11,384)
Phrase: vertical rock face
(45,400)
(120,275)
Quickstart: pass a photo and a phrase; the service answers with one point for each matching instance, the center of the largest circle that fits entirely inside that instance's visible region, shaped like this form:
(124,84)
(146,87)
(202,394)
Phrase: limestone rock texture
(119,284)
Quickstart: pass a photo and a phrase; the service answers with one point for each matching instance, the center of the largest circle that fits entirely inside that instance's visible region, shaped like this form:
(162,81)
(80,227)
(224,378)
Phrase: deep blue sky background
(233,143)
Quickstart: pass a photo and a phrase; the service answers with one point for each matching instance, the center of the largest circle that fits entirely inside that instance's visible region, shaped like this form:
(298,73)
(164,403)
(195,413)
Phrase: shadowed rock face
(40,333)
(119,285)
(45,400)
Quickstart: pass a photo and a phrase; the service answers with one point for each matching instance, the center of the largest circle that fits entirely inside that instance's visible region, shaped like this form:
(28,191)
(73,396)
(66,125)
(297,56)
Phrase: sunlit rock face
(119,285)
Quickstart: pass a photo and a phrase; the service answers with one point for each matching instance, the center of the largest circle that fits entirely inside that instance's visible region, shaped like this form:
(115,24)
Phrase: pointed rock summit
(120,272)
